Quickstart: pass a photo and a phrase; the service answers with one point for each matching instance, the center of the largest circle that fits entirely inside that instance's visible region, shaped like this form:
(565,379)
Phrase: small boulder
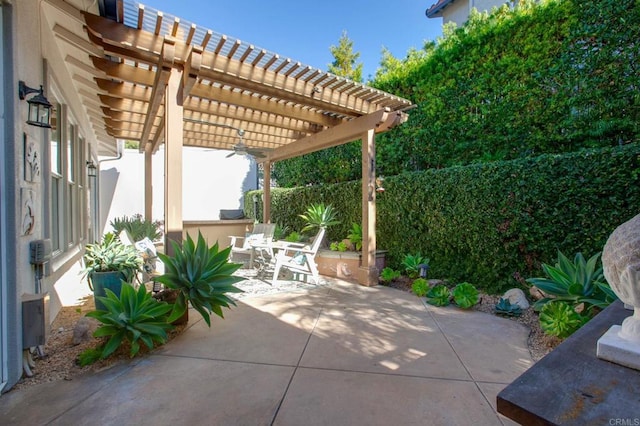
(536,293)
(83,330)
(515,296)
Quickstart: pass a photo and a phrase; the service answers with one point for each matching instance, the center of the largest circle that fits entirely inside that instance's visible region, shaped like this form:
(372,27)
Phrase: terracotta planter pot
(345,264)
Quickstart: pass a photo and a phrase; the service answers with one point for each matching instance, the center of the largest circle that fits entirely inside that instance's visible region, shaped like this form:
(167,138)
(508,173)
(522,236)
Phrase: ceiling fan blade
(256,153)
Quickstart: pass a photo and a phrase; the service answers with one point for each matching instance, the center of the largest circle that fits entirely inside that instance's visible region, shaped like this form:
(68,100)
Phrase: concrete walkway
(340,354)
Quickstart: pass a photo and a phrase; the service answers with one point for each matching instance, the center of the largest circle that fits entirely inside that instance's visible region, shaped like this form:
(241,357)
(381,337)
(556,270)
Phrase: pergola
(147,76)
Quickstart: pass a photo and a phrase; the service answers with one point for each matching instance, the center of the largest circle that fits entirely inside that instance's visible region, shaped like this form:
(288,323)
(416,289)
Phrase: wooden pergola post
(266,201)
(173,129)
(148,184)
(368,271)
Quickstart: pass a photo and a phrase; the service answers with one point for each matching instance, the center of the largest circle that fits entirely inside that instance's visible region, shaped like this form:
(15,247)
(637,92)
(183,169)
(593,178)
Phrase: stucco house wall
(458,11)
(30,53)
(211,182)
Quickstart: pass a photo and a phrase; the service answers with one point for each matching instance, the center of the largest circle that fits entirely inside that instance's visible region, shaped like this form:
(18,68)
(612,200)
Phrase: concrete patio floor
(339,354)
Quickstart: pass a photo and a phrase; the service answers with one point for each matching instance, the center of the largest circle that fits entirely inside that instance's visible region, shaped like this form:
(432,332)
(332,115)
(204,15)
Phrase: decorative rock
(515,296)
(621,266)
(536,293)
(82,330)
(434,282)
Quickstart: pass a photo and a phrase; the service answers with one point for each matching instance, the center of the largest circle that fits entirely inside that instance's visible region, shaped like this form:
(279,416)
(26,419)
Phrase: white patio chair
(262,232)
(298,257)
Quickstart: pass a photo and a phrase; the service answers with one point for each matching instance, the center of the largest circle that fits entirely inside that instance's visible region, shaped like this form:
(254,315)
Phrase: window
(81,192)
(56,178)
(71,215)
(68,181)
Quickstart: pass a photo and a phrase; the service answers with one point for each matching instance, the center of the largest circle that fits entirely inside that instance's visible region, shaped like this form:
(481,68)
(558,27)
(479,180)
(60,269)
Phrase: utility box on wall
(35,319)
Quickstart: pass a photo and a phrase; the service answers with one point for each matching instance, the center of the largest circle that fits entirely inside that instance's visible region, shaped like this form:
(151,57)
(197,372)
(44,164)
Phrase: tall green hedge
(545,77)
(548,78)
(490,224)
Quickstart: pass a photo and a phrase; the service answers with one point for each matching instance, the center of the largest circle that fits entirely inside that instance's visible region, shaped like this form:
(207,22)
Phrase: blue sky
(304,30)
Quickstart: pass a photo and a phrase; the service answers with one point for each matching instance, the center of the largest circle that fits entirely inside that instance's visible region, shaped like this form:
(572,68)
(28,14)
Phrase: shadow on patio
(334,354)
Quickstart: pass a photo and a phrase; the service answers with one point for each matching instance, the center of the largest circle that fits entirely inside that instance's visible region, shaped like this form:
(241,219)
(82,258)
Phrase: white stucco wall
(458,11)
(31,54)
(210,182)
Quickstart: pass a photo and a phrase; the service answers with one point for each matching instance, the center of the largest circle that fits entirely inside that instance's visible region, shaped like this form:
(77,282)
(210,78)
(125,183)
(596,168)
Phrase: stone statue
(621,265)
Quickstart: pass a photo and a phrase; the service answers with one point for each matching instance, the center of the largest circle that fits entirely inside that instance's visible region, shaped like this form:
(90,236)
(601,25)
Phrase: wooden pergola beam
(190,74)
(163,72)
(379,121)
(143,77)
(124,72)
(144,46)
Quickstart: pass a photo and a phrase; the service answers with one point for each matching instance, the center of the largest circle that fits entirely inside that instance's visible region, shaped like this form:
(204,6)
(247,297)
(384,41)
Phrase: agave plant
(202,275)
(412,262)
(319,216)
(504,307)
(134,316)
(575,282)
(137,226)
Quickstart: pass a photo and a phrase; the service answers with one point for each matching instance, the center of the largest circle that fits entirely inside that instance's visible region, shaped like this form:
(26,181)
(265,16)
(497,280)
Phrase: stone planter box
(345,264)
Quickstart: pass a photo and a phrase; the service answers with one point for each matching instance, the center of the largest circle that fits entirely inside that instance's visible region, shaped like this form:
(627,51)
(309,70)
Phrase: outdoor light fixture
(422,270)
(91,169)
(39,106)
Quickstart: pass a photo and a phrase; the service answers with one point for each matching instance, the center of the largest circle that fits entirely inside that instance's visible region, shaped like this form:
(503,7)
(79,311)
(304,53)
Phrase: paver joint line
(293,374)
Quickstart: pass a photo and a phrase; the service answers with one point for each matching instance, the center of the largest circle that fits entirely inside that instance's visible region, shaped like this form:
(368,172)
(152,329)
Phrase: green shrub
(133,317)
(389,274)
(355,236)
(138,227)
(293,237)
(465,295)
(89,356)
(489,223)
(576,282)
(420,287)
(338,246)
(560,319)
(549,77)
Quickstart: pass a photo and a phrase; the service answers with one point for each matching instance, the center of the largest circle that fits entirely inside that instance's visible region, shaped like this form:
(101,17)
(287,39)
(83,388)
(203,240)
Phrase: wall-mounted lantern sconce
(39,106)
(92,170)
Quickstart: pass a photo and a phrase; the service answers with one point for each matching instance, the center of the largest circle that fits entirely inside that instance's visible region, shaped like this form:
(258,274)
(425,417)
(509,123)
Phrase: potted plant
(201,275)
(107,264)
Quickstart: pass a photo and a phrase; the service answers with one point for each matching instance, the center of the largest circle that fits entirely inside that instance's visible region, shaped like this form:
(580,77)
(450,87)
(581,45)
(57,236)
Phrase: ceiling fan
(241,149)
(238,149)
